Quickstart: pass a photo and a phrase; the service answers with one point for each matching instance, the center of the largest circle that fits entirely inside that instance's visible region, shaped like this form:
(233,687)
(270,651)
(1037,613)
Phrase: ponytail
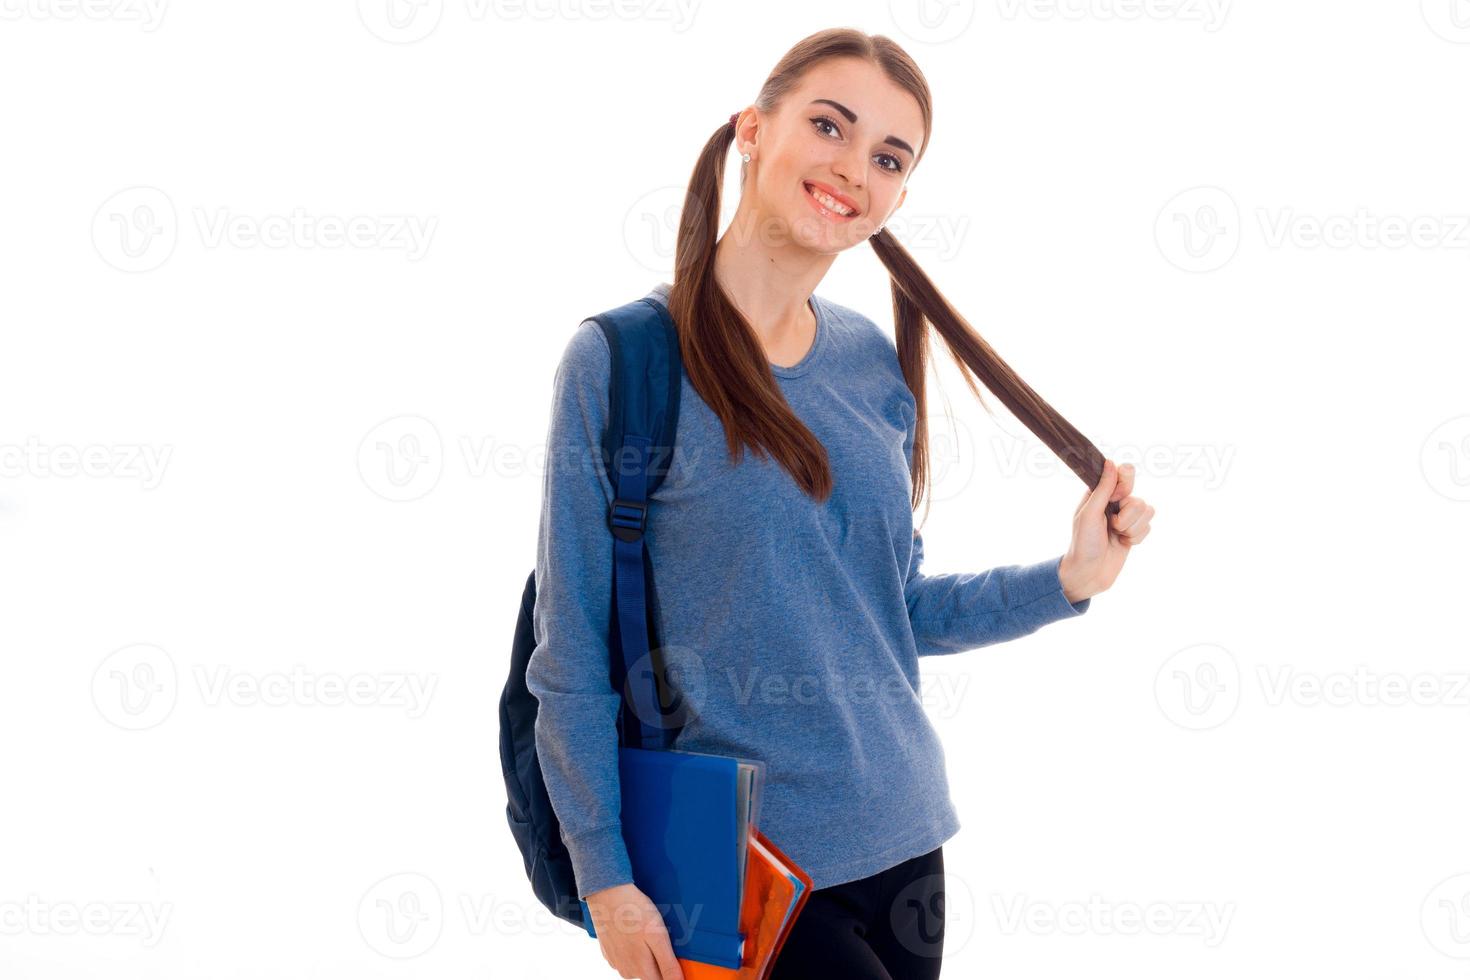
(722,355)
(916,304)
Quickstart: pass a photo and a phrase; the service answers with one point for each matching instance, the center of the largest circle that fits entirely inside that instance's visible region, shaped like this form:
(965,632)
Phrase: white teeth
(828,202)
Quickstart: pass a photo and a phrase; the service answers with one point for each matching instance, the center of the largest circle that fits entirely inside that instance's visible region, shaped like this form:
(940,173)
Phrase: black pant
(888,926)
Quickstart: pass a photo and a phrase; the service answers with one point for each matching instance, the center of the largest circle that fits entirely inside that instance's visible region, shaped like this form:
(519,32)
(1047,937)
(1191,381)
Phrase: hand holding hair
(1108,522)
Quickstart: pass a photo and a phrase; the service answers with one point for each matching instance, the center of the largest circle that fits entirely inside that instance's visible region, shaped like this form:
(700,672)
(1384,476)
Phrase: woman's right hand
(634,939)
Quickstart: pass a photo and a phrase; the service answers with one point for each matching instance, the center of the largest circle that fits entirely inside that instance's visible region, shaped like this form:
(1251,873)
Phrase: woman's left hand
(1100,543)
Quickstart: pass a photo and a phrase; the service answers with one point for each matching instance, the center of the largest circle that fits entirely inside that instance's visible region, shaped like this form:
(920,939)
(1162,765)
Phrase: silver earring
(745,157)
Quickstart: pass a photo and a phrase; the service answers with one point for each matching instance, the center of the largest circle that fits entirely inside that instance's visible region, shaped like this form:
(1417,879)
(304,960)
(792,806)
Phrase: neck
(769,283)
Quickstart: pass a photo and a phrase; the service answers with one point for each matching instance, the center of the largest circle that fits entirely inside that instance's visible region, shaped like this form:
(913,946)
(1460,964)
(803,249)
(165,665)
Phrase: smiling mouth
(828,203)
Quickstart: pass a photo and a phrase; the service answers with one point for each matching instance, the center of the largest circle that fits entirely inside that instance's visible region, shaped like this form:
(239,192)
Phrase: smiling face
(830,164)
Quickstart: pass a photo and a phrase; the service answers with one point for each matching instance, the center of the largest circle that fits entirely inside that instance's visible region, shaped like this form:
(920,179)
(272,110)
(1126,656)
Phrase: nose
(851,166)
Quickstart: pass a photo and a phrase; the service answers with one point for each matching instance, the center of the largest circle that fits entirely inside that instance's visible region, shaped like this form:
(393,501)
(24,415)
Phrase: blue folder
(684,830)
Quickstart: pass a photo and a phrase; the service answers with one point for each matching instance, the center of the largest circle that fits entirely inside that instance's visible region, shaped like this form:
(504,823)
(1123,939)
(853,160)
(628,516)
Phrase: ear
(901,195)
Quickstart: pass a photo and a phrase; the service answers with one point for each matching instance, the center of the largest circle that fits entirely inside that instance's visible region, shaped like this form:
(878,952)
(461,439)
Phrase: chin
(817,234)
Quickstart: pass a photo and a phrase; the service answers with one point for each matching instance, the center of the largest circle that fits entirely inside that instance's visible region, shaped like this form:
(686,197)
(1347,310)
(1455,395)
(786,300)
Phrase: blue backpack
(647,371)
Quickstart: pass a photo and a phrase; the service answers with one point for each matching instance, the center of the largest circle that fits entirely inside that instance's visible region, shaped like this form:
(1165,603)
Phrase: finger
(1139,528)
(647,968)
(1129,542)
(1126,473)
(1098,498)
(1130,512)
(667,962)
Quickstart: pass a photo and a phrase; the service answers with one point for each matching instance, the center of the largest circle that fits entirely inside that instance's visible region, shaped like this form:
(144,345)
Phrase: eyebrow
(852,118)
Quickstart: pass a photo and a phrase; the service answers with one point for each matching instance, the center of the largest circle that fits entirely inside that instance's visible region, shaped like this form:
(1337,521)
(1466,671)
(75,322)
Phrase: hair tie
(733,117)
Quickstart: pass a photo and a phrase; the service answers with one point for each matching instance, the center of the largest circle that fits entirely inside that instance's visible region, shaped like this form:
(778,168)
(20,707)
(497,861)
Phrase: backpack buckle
(626,519)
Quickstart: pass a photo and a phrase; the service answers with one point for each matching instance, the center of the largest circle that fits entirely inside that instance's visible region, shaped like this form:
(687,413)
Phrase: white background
(245,461)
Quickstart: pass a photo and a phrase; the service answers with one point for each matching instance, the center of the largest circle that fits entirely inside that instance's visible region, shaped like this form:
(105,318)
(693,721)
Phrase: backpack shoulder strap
(637,450)
(647,372)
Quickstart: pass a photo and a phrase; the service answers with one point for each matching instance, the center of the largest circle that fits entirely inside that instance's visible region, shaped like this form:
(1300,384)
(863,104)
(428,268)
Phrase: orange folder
(768,896)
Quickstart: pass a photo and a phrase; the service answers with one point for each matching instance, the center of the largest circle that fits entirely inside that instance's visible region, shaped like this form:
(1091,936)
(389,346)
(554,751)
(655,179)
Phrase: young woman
(790,604)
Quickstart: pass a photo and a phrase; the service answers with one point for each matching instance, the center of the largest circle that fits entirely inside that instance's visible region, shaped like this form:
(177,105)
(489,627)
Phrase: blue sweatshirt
(797,626)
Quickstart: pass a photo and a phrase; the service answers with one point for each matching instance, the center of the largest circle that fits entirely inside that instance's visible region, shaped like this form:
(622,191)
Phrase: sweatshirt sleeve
(954,612)
(576,718)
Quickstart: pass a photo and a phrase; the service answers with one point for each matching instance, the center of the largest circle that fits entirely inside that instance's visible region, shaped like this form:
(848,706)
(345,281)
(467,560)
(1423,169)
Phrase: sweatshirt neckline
(802,366)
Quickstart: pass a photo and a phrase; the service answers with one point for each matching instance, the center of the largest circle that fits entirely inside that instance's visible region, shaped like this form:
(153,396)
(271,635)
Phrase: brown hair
(724,358)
